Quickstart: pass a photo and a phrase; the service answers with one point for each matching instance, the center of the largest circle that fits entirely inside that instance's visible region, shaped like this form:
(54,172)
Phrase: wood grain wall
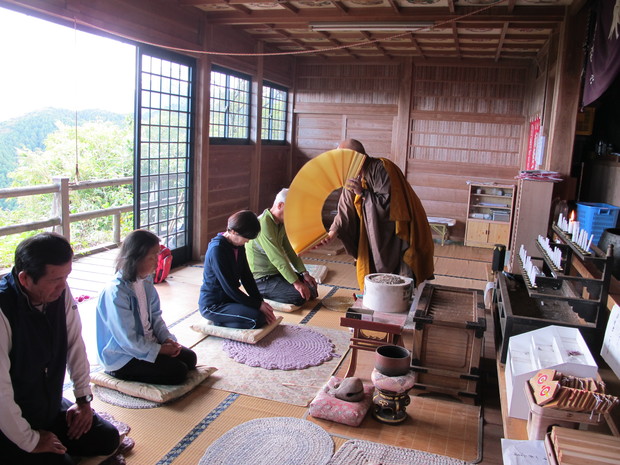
(465,122)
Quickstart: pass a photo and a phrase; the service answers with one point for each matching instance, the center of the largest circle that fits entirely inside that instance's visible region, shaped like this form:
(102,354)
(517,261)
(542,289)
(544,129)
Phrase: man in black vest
(40,337)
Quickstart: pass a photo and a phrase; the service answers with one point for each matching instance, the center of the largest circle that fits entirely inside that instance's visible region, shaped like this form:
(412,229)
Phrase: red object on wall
(530,161)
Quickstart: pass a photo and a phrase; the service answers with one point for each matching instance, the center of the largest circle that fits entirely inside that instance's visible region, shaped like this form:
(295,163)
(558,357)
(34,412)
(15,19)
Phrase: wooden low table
(440,226)
(370,334)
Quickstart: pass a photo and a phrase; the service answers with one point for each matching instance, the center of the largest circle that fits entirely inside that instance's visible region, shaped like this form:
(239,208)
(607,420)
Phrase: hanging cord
(298,52)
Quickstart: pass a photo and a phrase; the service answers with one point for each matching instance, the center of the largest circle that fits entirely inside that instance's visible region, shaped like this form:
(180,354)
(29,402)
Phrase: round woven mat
(114,397)
(359,452)
(338,303)
(271,441)
(287,347)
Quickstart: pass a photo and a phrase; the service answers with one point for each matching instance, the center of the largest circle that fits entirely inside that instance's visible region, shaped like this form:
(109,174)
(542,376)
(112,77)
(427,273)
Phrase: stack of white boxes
(556,347)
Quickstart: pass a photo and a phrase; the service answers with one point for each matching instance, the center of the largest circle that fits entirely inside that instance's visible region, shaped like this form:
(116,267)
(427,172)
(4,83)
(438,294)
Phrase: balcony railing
(61,218)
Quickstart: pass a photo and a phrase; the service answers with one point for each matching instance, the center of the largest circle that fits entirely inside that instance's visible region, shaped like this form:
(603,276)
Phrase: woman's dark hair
(245,223)
(135,247)
(32,255)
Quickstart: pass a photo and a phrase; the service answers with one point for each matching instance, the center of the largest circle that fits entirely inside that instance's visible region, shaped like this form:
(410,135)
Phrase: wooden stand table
(368,335)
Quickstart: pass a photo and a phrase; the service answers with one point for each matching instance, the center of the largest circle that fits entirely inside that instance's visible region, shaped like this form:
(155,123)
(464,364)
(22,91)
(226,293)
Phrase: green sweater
(271,252)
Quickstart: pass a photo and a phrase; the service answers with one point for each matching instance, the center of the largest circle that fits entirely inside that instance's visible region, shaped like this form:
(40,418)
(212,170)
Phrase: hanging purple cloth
(603,60)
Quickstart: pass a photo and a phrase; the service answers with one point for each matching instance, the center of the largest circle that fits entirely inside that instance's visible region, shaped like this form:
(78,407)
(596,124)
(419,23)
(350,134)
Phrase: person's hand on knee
(268,312)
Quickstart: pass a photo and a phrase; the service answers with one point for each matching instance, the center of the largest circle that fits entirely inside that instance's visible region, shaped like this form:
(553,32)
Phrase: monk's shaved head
(352,144)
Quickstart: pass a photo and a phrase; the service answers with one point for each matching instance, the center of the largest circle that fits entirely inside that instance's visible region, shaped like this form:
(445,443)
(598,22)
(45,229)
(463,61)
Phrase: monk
(382,222)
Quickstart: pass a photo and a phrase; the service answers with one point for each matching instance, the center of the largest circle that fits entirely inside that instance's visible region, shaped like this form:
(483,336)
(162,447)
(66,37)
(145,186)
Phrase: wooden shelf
(484,227)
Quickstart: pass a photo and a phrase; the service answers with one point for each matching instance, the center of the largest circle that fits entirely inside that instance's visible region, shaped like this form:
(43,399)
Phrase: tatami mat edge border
(318,306)
(197,430)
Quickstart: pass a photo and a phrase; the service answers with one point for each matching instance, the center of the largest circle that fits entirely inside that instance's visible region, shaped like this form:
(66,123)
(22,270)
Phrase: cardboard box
(557,347)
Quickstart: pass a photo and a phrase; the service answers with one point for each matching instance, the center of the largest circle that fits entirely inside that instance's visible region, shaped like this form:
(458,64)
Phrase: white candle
(590,242)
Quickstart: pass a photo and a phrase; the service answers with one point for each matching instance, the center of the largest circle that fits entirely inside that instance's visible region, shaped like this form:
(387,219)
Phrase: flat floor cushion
(154,392)
(318,272)
(328,407)
(282,307)
(250,336)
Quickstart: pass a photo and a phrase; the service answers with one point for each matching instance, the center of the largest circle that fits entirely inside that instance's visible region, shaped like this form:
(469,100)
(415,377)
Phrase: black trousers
(164,370)
(101,439)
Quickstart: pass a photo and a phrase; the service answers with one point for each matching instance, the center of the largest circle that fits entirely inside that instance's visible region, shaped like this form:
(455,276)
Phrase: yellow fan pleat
(314,182)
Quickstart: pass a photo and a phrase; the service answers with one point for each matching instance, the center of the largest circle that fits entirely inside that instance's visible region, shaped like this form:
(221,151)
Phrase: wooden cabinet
(531,218)
(489,216)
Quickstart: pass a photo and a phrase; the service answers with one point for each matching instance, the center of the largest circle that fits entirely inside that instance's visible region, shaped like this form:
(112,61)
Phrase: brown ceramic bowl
(392,360)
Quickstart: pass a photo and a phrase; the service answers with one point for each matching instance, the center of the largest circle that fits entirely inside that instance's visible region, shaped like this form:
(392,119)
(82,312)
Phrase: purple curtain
(603,60)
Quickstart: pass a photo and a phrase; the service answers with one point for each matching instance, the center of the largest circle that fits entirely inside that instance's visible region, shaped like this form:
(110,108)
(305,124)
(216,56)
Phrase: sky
(43,65)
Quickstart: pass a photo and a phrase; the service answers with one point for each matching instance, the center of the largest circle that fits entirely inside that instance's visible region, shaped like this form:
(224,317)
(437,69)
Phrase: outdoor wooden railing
(61,218)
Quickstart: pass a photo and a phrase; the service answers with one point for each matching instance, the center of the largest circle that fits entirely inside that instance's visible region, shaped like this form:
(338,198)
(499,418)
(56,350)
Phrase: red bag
(164,263)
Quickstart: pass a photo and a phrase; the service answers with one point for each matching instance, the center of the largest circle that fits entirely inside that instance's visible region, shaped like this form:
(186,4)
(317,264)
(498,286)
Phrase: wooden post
(60,206)
(116,227)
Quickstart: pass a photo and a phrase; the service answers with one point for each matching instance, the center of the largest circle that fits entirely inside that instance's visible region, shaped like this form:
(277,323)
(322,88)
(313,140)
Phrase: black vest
(38,353)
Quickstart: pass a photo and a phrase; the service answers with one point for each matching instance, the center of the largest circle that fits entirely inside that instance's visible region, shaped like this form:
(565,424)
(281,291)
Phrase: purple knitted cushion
(288,347)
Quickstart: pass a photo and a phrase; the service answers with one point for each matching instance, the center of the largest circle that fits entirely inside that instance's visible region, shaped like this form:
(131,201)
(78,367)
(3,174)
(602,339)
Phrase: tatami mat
(159,430)
(433,425)
(180,432)
(241,410)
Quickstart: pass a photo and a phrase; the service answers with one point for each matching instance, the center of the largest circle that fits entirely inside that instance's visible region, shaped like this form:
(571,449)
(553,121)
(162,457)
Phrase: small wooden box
(541,419)
(448,341)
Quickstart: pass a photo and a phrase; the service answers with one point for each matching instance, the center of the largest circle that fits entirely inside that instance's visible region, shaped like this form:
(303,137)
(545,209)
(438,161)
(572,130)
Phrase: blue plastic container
(596,218)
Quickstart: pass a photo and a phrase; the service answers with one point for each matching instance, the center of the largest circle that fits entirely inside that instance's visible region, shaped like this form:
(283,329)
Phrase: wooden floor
(455,265)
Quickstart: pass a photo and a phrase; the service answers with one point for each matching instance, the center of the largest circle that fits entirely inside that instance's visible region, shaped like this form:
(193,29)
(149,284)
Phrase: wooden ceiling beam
(394,6)
(511,5)
(416,45)
(242,9)
(288,6)
(528,16)
(455,37)
(500,42)
(341,6)
(335,42)
(369,36)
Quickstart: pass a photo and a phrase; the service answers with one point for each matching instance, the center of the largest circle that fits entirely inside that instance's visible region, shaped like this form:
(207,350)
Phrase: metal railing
(61,218)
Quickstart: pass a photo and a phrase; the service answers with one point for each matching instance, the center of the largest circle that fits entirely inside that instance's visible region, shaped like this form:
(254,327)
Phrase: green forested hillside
(29,131)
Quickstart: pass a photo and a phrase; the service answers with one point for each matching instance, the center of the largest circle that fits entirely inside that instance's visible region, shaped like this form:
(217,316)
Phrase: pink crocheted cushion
(328,407)
(395,384)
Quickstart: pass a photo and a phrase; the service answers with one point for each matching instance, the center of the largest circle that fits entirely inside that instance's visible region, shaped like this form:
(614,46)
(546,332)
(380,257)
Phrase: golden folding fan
(314,182)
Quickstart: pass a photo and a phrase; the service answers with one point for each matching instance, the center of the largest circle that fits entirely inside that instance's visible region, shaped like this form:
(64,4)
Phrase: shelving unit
(558,297)
(489,214)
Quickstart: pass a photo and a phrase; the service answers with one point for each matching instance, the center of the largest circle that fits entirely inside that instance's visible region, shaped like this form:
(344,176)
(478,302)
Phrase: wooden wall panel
(273,174)
(375,132)
(467,124)
(483,143)
(334,82)
(229,189)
